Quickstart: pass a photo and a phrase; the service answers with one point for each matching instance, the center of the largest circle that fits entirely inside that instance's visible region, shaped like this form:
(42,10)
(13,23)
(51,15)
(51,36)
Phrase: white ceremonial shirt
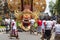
(49,25)
(7,20)
(32,21)
(57,29)
(54,21)
(43,25)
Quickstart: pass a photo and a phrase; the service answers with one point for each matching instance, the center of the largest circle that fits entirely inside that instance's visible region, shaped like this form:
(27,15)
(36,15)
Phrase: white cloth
(7,21)
(44,20)
(43,26)
(32,21)
(49,25)
(57,29)
(54,21)
(14,26)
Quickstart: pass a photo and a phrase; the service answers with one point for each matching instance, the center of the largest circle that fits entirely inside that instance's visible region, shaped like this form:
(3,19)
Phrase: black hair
(58,20)
(15,18)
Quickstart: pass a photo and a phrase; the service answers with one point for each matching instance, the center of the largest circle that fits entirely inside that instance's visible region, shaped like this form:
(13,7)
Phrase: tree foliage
(57,6)
(51,6)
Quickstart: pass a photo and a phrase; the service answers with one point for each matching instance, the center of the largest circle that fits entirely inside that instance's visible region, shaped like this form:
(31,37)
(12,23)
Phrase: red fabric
(12,24)
(45,24)
(39,22)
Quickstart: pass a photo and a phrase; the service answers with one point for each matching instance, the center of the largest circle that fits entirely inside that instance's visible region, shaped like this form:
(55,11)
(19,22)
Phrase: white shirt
(57,29)
(43,26)
(32,21)
(44,20)
(7,20)
(54,21)
(14,26)
(49,25)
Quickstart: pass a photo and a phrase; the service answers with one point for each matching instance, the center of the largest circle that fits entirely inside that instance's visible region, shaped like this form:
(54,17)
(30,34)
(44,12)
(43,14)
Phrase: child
(14,31)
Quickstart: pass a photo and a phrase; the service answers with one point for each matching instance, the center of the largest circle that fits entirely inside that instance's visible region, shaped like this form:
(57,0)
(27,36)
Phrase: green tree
(51,6)
(57,7)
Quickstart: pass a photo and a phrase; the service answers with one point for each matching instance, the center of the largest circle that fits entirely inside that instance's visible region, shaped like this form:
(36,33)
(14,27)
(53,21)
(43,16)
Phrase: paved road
(22,36)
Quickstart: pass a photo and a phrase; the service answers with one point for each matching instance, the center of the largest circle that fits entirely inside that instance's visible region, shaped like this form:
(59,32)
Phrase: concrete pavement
(22,36)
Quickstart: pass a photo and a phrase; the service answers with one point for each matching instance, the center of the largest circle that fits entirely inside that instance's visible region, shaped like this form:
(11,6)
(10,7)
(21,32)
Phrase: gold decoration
(38,6)
(14,4)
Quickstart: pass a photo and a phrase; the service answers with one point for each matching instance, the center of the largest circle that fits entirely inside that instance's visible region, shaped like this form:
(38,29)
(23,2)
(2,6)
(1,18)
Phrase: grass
(2,26)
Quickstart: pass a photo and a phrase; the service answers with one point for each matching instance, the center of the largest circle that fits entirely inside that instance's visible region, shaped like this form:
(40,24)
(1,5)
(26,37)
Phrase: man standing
(32,21)
(7,24)
(39,22)
(57,30)
(48,28)
(43,27)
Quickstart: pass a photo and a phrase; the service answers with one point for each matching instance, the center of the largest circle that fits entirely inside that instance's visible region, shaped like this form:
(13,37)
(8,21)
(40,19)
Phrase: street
(22,36)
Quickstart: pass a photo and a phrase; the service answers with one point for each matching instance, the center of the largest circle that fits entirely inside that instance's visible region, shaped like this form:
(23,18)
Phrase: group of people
(48,27)
(35,25)
(11,27)
(45,28)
